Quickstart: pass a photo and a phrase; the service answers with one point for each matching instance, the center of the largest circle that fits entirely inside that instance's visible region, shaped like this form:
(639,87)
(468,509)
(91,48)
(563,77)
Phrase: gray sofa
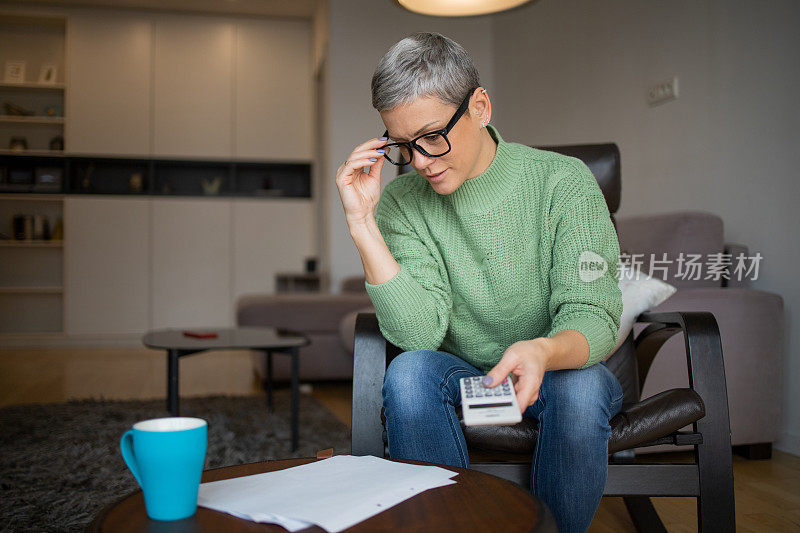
(750,322)
(318,315)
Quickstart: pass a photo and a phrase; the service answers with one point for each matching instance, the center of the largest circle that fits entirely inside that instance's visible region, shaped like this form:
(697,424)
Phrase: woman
(473,263)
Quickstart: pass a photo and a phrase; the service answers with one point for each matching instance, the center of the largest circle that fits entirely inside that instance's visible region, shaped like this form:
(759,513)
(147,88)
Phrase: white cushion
(640,293)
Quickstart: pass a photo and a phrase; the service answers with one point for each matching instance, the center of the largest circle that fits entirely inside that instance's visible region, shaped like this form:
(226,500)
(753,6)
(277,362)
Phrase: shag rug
(60,464)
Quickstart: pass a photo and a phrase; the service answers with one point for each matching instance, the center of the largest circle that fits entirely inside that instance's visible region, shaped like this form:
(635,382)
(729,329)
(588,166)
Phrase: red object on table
(200,334)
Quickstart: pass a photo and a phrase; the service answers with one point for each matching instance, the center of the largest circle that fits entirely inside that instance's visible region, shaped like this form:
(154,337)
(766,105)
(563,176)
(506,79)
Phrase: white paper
(334,493)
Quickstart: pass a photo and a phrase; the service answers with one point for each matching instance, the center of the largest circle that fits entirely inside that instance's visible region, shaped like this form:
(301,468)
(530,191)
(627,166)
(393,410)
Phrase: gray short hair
(423,64)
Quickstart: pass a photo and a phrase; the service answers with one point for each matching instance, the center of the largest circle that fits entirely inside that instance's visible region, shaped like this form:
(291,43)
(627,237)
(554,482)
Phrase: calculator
(485,406)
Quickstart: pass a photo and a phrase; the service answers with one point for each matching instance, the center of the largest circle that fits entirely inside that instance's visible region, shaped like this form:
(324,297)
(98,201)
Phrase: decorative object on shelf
(211,186)
(15,71)
(17,180)
(18,144)
(22,227)
(53,111)
(58,231)
(48,178)
(47,74)
(311,265)
(20,176)
(38,227)
(14,110)
(166,188)
(57,143)
(86,181)
(136,182)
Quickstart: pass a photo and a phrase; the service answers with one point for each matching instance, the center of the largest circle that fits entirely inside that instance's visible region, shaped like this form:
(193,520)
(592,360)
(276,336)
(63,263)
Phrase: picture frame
(14,71)
(47,74)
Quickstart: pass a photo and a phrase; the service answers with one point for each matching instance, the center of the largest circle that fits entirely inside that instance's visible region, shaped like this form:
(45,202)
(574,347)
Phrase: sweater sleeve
(413,308)
(585,294)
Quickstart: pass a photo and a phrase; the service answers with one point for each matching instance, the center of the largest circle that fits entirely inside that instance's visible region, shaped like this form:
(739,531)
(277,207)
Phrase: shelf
(16,119)
(33,197)
(31,290)
(31,244)
(33,85)
(159,177)
(32,153)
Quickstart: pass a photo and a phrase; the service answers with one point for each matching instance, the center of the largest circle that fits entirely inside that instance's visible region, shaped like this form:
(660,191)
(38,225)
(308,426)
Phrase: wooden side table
(476,502)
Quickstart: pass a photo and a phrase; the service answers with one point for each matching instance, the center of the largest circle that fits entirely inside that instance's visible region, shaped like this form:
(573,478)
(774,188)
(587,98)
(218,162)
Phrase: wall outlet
(663,92)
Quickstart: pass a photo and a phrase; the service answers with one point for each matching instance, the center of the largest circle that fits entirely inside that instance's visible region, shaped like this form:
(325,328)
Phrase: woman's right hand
(359,190)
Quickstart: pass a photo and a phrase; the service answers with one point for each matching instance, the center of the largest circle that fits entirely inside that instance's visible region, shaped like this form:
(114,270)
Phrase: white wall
(360,32)
(573,71)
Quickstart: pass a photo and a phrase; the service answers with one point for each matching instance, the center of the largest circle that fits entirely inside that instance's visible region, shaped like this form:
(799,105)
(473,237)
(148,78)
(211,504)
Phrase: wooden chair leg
(643,514)
(715,504)
(715,501)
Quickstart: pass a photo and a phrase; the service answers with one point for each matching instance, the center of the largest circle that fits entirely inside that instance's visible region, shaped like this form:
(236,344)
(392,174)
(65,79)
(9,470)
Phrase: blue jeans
(570,462)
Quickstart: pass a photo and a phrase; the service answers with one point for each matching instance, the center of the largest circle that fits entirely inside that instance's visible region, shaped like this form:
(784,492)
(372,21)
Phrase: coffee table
(476,502)
(268,340)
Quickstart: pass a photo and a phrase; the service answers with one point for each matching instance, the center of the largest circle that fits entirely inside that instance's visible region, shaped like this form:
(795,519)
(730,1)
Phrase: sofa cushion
(640,292)
(688,232)
(305,312)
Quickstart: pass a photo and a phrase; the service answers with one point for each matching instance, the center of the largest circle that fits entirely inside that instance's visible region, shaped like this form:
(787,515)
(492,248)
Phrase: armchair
(506,451)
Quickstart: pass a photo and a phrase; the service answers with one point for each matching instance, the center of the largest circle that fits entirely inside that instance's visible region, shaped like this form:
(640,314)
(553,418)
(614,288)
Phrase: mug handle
(126,445)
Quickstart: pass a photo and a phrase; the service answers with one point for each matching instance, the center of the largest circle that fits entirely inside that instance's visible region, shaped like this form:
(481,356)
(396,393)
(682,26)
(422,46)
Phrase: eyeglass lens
(433,145)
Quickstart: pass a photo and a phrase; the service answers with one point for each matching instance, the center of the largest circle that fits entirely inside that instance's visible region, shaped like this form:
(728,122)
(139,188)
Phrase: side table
(264,339)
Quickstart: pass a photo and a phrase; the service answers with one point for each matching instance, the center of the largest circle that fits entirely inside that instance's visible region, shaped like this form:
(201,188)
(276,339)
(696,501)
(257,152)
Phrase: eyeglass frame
(412,144)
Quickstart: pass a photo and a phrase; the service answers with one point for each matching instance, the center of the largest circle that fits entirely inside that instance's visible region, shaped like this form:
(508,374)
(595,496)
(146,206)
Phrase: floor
(767,492)
(50,375)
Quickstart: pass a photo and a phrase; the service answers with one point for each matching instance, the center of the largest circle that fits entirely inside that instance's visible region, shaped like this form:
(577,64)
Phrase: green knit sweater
(508,256)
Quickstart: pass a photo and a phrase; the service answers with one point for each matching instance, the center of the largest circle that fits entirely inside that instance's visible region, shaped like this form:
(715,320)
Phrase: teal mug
(166,457)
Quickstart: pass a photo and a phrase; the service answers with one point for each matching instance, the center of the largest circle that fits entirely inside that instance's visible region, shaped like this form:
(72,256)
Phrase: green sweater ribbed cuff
(597,334)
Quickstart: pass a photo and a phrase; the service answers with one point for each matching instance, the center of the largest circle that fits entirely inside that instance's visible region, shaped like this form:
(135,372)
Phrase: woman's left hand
(527,362)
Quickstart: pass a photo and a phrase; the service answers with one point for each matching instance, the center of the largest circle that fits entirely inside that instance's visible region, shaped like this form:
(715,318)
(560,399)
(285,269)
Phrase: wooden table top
(228,338)
(476,502)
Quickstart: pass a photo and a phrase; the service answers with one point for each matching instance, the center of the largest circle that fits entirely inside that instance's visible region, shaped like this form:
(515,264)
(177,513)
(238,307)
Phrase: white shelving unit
(31,271)
(132,262)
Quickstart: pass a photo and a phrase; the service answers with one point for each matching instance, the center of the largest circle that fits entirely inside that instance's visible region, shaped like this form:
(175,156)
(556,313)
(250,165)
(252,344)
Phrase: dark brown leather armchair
(506,451)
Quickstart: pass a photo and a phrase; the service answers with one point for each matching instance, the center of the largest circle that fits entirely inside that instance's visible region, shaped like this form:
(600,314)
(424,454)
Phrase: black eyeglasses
(431,144)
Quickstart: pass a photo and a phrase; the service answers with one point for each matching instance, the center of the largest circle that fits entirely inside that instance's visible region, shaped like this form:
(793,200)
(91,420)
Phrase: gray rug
(60,463)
